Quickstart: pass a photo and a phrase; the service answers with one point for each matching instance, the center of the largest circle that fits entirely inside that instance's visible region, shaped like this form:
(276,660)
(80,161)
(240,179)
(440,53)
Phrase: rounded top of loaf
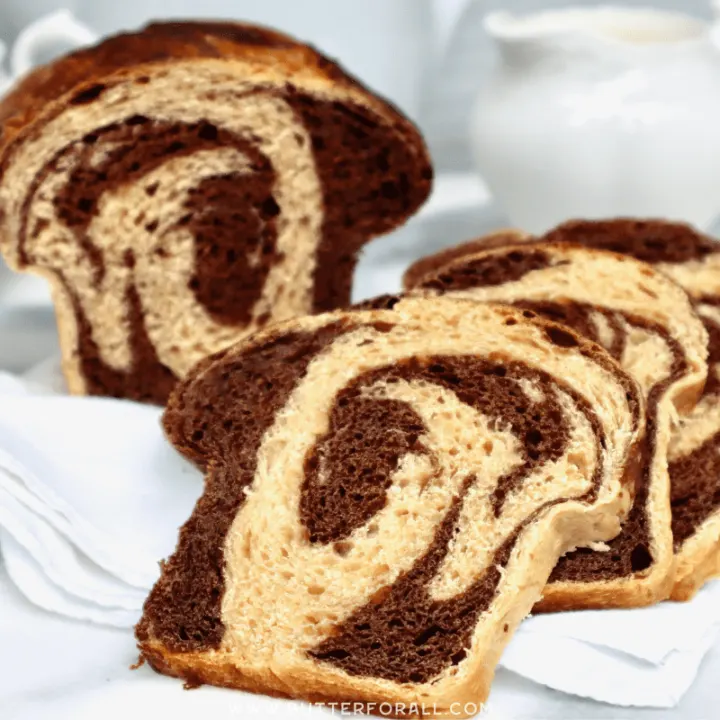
(650,240)
(518,257)
(654,241)
(166,42)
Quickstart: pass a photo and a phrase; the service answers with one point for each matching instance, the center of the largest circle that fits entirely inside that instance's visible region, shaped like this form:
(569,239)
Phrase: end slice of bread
(387,492)
(189,183)
(649,324)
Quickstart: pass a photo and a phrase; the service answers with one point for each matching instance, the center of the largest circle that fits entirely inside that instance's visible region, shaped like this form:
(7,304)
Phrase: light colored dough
(270,563)
(618,284)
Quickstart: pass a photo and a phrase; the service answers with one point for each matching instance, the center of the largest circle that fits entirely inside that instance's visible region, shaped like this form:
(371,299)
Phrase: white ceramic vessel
(47,37)
(601,112)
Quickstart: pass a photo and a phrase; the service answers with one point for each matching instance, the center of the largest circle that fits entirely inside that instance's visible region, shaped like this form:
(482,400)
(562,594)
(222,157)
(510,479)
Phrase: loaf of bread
(692,260)
(386,495)
(648,323)
(186,184)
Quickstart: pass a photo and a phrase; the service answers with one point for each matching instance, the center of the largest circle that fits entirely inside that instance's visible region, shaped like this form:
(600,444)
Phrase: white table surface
(53,668)
(57,669)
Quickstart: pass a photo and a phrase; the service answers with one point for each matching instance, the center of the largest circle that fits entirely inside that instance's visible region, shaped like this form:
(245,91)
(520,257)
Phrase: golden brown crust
(688,587)
(157,43)
(196,670)
(558,597)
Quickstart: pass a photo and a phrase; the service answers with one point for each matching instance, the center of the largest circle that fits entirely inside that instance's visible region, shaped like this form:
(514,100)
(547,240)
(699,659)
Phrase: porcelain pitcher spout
(601,112)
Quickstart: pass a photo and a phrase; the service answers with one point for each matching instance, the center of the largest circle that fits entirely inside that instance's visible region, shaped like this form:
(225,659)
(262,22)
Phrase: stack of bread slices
(530,426)
(607,268)
(389,488)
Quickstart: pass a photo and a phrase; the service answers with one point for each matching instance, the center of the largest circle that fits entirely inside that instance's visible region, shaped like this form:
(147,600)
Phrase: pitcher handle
(48,31)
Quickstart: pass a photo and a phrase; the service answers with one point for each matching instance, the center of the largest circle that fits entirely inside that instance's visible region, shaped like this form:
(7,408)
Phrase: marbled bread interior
(430,263)
(386,495)
(648,323)
(693,260)
(183,185)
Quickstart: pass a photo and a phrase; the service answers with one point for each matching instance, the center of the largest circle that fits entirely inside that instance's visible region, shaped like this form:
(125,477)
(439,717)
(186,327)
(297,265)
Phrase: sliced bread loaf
(186,184)
(386,495)
(692,260)
(648,323)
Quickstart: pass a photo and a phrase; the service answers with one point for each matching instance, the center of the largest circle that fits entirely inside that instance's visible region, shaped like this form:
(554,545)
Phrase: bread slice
(183,185)
(648,323)
(386,495)
(430,263)
(692,260)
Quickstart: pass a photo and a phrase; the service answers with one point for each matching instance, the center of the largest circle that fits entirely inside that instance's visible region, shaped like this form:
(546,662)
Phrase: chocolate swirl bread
(647,322)
(692,260)
(186,184)
(386,495)
(430,263)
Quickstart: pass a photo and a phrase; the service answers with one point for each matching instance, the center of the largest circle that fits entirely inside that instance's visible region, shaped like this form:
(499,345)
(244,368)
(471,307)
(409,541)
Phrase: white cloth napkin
(90,500)
(646,658)
(91,497)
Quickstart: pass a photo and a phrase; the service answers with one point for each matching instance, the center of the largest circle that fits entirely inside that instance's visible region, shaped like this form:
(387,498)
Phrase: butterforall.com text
(400,710)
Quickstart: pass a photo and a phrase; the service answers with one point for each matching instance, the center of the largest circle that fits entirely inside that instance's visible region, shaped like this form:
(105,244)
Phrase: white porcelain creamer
(601,112)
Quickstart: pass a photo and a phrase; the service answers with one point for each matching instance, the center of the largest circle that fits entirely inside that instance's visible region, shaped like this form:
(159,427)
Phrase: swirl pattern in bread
(648,323)
(186,184)
(386,494)
(693,261)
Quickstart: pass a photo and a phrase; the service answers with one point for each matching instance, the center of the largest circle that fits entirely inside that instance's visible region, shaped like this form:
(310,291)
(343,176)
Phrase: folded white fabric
(646,658)
(91,497)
